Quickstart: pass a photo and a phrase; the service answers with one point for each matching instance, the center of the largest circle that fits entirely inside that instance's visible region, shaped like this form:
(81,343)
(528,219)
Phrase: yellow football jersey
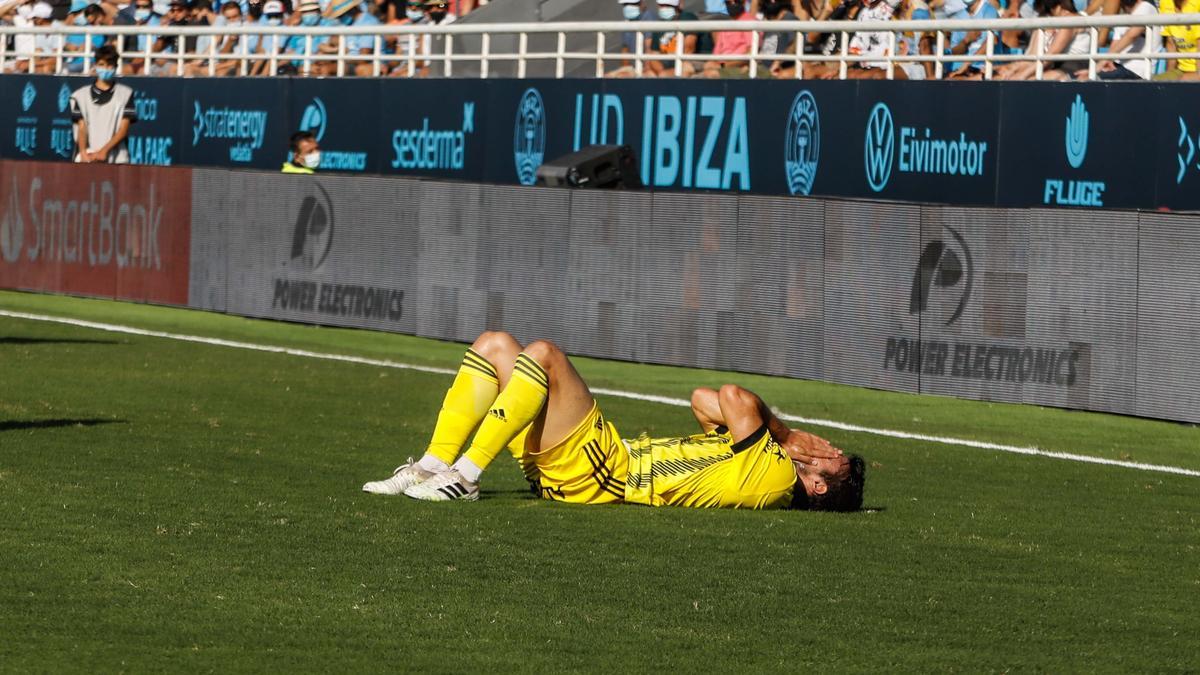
(1185,37)
(710,470)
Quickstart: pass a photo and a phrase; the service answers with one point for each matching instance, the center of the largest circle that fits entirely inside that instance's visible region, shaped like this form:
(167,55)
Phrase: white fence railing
(422,50)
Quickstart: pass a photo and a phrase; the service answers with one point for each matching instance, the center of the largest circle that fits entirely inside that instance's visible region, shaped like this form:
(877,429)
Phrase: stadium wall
(1130,145)
(1090,310)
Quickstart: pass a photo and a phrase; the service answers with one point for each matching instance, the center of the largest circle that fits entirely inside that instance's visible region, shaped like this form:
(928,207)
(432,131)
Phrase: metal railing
(412,50)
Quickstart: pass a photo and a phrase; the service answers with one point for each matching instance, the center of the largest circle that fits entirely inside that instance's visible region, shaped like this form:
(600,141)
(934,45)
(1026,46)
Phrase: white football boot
(404,477)
(444,487)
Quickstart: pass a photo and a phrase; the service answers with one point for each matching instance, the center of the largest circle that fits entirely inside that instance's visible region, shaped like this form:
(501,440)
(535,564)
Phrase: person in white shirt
(1129,40)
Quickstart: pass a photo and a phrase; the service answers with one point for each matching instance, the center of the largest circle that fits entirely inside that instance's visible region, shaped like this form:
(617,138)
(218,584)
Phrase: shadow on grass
(17,425)
(53,341)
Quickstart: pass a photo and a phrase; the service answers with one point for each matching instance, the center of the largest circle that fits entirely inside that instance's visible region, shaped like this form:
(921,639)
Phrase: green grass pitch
(172,506)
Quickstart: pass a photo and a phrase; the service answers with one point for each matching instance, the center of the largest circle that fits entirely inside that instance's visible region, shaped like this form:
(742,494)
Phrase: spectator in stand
(778,43)
(732,43)
(970,43)
(1059,41)
(102,113)
(350,13)
(273,14)
(402,46)
(138,13)
(875,45)
(305,154)
(816,10)
(665,44)
(18,13)
(1183,38)
(45,47)
(631,10)
(1128,40)
(83,14)
(231,15)
(309,16)
(437,13)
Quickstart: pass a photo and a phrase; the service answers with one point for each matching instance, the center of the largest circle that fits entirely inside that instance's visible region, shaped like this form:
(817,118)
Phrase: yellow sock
(474,389)
(515,409)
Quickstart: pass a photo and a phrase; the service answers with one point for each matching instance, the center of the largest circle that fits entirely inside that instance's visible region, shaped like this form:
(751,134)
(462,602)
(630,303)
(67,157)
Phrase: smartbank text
(96,230)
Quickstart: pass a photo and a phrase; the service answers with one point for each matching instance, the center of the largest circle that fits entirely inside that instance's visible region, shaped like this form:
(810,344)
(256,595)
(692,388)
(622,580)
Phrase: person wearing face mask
(306,154)
(632,10)
(665,44)
(731,43)
(102,112)
(350,13)
(271,14)
(83,14)
(137,13)
(308,16)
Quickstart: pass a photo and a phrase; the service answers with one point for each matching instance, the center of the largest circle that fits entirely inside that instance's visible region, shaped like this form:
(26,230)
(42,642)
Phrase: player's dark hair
(299,137)
(106,54)
(845,491)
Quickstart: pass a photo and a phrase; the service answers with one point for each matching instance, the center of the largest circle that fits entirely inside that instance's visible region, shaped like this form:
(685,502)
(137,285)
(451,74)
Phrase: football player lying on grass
(536,405)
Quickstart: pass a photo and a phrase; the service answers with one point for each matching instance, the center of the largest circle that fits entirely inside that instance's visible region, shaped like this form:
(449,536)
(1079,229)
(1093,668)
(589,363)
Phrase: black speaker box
(594,166)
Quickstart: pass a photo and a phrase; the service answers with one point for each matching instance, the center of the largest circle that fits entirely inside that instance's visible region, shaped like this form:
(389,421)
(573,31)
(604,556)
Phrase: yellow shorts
(587,467)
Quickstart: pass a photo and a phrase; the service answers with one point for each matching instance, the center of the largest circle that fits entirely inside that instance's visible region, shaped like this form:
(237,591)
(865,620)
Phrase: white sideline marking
(383,363)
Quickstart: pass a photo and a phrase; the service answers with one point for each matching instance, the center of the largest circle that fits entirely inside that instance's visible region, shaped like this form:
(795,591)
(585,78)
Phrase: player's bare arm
(743,412)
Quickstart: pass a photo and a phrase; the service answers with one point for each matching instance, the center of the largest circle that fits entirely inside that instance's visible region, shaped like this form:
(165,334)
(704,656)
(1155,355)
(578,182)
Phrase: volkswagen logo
(879,146)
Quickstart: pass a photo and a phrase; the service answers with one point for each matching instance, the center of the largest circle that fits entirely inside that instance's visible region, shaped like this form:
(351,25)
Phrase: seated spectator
(178,14)
(970,43)
(631,10)
(437,13)
(665,44)
(1128,40)
(309,16)
(231,15)
(350,13)
(45,47)
(83,14)
(137,13)
(1059,41)
(778,43)
(732,43)
(1182,38)
(818,10)
(273,14)
(404,46)
(876,45)
(18,13)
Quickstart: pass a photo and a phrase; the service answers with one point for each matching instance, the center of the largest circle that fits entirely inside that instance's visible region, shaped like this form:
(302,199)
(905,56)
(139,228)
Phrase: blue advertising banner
(1079,145)
(345,117)
(36,115)
(1177,153)
(157,136)
(238,122)
(433,128)
(926,142)
(533,121)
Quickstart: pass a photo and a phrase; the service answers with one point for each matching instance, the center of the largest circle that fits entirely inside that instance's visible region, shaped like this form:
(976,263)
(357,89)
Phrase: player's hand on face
(807,448)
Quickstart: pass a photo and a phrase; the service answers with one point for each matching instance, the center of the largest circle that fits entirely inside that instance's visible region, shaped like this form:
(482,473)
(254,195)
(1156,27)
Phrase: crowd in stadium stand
(727,49)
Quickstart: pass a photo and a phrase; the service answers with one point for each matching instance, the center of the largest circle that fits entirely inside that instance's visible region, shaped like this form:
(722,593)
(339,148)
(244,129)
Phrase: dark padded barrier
(1130,145)
(1087,310)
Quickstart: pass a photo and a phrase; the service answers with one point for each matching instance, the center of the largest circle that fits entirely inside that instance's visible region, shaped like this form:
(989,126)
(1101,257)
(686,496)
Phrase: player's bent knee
(545,352)
(494,343)
(732,394)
